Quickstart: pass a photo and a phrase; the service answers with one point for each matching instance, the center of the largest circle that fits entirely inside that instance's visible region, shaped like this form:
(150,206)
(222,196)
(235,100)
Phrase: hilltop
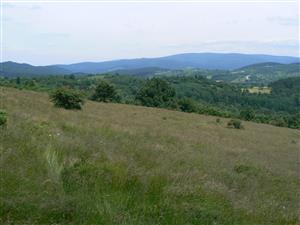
(122,164)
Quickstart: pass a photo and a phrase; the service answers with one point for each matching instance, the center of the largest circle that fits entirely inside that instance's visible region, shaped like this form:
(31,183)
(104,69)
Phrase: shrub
(187,105)
(3,118)
(234,123)
(247,114)
(294,121)
(213,111)
(67,98)
(30,83)
(279,122)
(105,92)
(156,93)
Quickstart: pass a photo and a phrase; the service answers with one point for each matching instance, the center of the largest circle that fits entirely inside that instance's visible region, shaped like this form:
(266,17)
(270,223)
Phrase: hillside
(12,69)
(142,72)
(279,105)
(121,164)
(261,73)
(272,68)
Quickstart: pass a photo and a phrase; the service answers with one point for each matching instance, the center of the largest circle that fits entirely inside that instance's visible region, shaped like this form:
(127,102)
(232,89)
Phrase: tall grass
(120,164)
(54,163)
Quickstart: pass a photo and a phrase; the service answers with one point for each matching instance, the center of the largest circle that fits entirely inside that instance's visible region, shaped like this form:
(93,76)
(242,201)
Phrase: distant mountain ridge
(13,69)
(219,61)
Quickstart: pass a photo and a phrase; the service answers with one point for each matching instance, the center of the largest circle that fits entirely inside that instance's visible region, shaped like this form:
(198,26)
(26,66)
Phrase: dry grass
(262,90)
(121,164)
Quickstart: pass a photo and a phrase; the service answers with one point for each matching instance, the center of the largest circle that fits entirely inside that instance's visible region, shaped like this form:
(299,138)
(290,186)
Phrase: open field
(262,90)
(121,164)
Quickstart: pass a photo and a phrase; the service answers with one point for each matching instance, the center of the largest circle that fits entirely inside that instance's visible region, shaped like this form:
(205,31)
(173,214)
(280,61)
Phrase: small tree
(247,114)
(67,98)
(30,83)
(3,118)
(234,123)
(279,122)
(156,93)
(105,92)
(18,80)
(294,121)
(187,105)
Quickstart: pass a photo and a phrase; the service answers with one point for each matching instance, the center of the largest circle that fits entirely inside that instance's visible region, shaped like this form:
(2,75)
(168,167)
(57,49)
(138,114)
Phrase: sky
(63,33)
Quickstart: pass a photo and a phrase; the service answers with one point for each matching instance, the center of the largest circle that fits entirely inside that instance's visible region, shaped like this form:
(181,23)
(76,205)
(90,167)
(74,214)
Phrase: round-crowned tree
(105,92)
(247,114)
(156,93)
(187,105)
(67,98)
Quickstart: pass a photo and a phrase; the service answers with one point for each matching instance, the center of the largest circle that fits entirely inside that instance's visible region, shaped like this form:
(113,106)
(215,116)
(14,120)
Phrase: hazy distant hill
(196,60)
(145,71)
(217,61)
(12,69)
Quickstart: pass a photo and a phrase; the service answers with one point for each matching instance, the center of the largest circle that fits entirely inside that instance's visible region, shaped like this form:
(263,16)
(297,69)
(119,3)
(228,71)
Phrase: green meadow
(132,165)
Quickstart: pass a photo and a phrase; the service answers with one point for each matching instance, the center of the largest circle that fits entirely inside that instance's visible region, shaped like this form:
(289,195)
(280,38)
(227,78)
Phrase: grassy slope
(121,164)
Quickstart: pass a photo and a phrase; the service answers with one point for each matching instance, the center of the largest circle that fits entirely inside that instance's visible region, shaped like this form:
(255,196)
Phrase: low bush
(234,123)
(247,114)
(3,118)
(67,98)
(187,105)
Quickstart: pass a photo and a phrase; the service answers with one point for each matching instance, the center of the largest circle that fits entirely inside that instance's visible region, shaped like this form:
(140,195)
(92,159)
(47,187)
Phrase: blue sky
(52,33)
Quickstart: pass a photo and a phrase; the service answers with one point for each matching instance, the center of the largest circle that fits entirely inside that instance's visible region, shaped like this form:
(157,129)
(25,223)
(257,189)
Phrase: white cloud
(73,32)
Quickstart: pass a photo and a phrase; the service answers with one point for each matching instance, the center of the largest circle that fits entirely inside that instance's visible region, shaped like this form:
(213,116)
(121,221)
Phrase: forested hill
(272,67)
(287,87)
(13,69)
(262,73)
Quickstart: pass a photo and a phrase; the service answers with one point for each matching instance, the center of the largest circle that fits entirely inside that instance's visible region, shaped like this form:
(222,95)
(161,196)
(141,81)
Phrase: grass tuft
(54,163)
